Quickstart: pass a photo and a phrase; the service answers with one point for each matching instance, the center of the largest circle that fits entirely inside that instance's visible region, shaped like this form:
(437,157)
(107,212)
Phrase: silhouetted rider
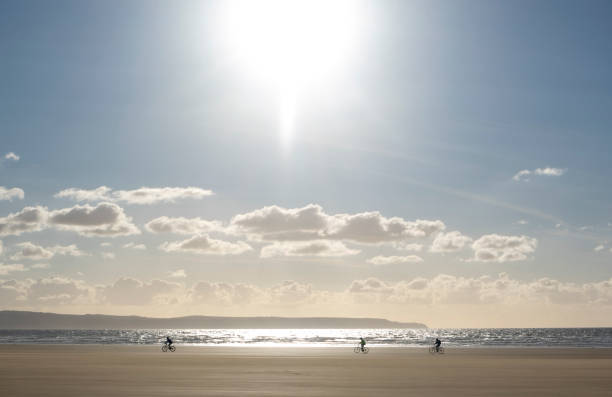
(437,344)
(362,342)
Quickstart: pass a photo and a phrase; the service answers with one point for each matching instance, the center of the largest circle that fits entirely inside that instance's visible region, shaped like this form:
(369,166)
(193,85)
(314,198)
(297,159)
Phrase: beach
(132,370)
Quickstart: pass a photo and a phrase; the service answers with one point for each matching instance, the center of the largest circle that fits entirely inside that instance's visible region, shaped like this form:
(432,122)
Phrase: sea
(451,337)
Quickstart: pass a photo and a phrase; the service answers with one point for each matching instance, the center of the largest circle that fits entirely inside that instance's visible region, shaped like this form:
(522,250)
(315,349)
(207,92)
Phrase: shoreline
(311,346)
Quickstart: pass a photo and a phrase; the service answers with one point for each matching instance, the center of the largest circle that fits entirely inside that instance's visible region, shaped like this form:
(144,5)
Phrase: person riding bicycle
(362,342)
(168,341)
(437,344)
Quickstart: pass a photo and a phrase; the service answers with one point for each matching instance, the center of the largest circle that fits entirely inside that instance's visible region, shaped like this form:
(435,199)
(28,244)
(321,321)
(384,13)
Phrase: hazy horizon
(419,161)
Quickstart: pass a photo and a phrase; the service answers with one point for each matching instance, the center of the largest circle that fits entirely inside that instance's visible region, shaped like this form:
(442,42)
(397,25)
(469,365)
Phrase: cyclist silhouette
(362,342)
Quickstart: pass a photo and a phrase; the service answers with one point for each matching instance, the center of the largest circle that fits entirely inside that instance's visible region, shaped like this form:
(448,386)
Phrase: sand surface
(94,370)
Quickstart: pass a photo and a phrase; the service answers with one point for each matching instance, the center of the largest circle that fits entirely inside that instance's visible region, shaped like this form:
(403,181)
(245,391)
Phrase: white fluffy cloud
(143,195)
(135,246)
(129,291)
(447,289)
(10,194)
(31,251)
(202,244)
(108,255)
(307,248)
(29,219)
(403,246)
(523,175)
(500,292)
(275,223)
(288,292)
(499,248)
(391,260)
(598,248)
(11,156)
(180,273)
(373,228)
(103,220)
(449,242)
(274,219)
(40,266)
(14,267)
(60,290)
(179,225)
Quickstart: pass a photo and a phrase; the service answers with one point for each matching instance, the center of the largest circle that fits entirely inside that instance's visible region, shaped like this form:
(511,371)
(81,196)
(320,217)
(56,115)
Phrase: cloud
(599,248)
(101,193)
(143,195)
(11,292)
(135,246)
(522,175)
(108,255)
(11,156)
(286,293)
(188,226)
(402,246)
(449,242)
(290,291)
(40,266)
(103,220)
(275,223)
(15,267)
(275,219)
(373,228)
(522,222)
(180,273)
(29,219)
(307,248)
(449,293)
(60,290)
(547,171)
(129,291)
(447,289)
(225,293)
(1,247)
(10,194)
(106,244)
(499,248)
(202,244)
(31,251)
(391,260)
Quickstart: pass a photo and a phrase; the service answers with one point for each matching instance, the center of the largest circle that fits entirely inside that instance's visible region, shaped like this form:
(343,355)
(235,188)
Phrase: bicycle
(167,347)
(433,350)
(358,349)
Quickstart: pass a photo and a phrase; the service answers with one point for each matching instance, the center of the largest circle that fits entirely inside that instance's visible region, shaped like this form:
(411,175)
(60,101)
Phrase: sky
(431,161)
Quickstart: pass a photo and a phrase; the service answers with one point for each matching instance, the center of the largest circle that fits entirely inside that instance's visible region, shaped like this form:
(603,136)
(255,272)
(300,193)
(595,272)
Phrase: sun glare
(291,44)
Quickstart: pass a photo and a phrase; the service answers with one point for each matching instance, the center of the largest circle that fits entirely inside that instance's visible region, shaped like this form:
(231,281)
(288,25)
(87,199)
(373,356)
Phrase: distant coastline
(38,320)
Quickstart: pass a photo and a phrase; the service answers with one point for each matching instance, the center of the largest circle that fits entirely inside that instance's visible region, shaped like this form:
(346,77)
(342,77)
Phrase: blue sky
(428,113)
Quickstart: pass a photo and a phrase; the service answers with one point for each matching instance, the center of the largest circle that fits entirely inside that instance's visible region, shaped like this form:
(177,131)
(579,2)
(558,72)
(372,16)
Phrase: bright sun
(291,44)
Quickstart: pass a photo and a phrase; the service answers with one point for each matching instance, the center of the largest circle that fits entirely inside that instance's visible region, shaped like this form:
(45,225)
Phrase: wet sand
(95,370)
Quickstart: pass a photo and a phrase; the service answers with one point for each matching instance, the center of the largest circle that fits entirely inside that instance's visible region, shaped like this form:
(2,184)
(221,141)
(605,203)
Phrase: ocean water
(458,337)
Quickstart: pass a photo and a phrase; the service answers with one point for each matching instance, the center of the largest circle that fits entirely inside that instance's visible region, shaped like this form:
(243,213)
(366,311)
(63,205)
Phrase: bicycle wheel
(441,350)
(432,349)
(365,350)
(172,348)
(164,348)
(357,349)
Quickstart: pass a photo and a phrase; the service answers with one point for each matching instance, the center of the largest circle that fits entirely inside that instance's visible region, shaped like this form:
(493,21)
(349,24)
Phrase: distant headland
(36,320)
